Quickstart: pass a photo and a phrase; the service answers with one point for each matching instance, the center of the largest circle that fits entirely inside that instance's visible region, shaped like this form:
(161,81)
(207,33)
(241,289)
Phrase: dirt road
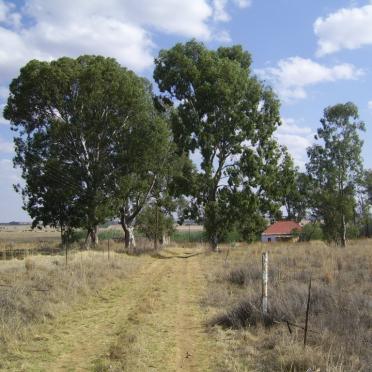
(150,322)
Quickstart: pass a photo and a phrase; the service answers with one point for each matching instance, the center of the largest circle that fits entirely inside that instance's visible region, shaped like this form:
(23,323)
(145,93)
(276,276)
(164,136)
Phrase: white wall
(265,238)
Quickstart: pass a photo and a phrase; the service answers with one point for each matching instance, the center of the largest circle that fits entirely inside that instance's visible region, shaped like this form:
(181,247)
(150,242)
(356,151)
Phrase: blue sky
(314,53)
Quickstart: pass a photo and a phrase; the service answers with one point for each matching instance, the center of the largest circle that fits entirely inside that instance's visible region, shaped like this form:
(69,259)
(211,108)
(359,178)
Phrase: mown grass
(340,308)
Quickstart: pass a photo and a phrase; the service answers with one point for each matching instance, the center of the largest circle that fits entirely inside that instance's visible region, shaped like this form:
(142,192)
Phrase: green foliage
(294,186)
(155,223)
(335,168)
(80,235)
(232,236)
(86,135)
(228,116)
(353,231)
(364,206)
(311,231)
(186,236)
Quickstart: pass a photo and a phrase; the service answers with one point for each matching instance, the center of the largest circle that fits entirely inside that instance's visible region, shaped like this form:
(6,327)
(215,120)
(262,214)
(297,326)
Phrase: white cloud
(296,138)
(293,75)
(243,3)
(220,12)
(223,36)
(369,104)
(122,29)
(8,15)
(347,28)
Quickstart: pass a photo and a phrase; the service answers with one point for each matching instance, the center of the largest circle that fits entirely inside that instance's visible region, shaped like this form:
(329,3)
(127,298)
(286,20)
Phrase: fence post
(307,312)
(265,280)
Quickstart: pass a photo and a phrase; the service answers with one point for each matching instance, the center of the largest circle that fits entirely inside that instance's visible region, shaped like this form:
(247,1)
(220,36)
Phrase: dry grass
(41,287)
(341,308)
(24,234)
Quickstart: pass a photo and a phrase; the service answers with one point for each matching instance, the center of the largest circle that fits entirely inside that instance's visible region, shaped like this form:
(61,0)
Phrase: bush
(311,231)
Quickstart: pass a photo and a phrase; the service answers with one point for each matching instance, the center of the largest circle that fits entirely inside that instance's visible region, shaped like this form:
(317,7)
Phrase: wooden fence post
(307,313)
(265,280)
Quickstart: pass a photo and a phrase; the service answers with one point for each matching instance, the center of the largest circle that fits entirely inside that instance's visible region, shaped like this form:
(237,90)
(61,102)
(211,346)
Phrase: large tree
(294,186)
(335,167)
(227,117)
(364,197)
(83,128)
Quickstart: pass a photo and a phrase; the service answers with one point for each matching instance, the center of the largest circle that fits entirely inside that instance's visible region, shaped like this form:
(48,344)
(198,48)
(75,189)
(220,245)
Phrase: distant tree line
(95,142)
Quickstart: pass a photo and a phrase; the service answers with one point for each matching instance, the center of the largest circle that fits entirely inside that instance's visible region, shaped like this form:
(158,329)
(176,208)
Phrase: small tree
(156,224)
(335,167)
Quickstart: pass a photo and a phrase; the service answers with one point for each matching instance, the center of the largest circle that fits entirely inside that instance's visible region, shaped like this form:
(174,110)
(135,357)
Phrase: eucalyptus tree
(226,117)
(83,127)
(335,167)
(295,188)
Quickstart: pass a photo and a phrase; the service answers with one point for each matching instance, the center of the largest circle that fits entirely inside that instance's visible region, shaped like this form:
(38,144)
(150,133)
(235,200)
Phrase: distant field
(24,233)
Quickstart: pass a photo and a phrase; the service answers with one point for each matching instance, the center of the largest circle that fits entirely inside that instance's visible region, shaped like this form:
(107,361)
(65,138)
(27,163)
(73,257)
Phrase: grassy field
(186,309)
(24,234)
(340,309)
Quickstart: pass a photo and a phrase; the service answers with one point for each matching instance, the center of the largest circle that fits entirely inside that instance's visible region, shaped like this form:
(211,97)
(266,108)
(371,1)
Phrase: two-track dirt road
(151,322)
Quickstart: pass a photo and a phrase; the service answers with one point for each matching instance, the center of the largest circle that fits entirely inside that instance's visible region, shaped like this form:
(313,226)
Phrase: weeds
(340,308)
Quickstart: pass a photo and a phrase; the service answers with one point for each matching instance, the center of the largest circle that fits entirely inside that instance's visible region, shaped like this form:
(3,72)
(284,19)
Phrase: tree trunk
(86,242)
(343,232)
(129,240)
(126,222)
(62,235)
(126,236)
(214,243)
(94,235)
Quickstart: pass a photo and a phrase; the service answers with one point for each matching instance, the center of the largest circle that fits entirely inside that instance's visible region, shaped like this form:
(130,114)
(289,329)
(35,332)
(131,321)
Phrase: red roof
(282,228)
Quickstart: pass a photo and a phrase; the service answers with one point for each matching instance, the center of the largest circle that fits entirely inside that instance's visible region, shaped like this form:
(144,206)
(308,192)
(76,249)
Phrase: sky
(314,53)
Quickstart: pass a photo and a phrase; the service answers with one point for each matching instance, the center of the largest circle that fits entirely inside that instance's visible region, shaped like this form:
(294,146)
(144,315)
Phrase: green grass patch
(189,236)
(111,234)
(79,235)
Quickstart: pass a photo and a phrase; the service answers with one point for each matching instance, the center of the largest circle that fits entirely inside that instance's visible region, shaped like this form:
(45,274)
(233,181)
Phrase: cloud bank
(292,76)
(296,138)
(347,28)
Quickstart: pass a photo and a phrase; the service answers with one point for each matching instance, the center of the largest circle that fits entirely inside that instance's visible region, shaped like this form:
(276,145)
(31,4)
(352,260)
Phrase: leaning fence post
(265,279)
(307,312)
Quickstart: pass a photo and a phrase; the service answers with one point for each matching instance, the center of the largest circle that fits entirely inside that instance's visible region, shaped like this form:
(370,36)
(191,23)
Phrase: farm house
(281,231)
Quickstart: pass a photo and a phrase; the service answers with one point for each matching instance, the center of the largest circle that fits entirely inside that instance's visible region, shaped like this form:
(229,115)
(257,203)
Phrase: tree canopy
(227,117)
(335,167)
(95,143)
(86,131)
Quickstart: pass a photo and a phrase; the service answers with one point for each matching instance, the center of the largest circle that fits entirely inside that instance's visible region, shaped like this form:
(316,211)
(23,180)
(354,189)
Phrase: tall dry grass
(340,308)
(41,287)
